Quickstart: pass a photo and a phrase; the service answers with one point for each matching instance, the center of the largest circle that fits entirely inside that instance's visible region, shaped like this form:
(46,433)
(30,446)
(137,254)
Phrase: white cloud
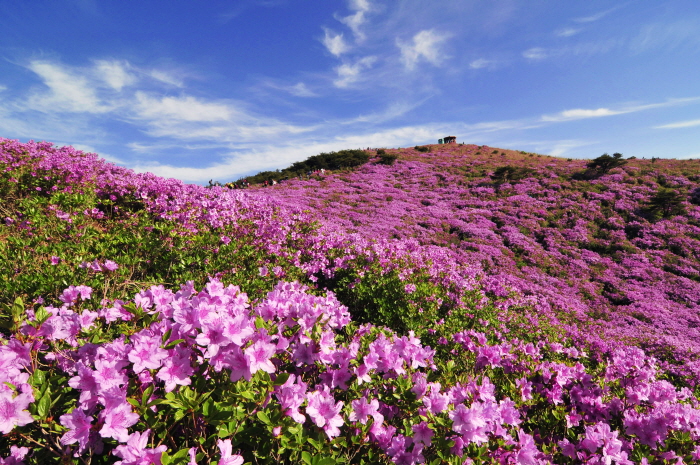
(481,63)
(2,87)
(334,43)
(166,77)
(180,108)
(567,32)
(536,53)
(114,74)
(596,16)
(350,73)
(680,124)
(67,91)
(356,20)
(425,45)
(300,90)
(669,36)
(581,113)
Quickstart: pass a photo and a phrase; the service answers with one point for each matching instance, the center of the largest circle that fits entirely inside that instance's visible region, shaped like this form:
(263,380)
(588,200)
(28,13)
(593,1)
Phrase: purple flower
(291,396)
(325,412)
(16,456)
(362,410)
(117,420)
(78,425)
(146,352)
(134,452)
(527,452)
(13,409)
(226,457)
(109,265)
(422,433)
(258,356)
(176,369)
(436,402)
(469,422)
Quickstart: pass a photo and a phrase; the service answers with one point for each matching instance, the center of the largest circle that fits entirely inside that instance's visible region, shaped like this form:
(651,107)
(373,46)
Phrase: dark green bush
(387,158)
(666,203)
(511,173)
(329,161)
(422,148)
(605,163)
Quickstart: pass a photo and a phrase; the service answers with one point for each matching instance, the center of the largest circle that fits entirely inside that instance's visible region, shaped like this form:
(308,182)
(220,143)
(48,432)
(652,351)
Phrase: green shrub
(511,173)
(387,159)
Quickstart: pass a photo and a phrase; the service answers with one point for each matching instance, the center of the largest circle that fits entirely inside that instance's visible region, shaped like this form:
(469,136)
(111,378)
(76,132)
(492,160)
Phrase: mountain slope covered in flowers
(420,312)
(591,244)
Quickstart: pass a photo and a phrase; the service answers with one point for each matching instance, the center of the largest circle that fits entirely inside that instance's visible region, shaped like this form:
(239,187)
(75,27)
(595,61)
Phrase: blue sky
(197,90)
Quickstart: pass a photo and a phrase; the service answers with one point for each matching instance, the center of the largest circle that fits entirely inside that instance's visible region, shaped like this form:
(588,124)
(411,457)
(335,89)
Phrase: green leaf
(17,310)
(42,407)
(281,379)
(326,461)
(173,344)
(262,416)
(306,457)
(166,336)
(38,378)
(41,316)
(146,395)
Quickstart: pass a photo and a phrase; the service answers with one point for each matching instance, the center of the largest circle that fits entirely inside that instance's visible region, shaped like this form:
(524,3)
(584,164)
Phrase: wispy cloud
(356,20)
(114,73)
(667,35)
(166,77)
(482,63)
(301,90)
(535,54)
(425,45)
(567,32)
(185,108)
(64,91)
(597,16)
(334,43)
(680,124)
(349,73)
(583,113)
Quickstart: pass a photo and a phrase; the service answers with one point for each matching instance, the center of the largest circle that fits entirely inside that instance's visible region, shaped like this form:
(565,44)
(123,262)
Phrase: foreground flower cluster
(210,366)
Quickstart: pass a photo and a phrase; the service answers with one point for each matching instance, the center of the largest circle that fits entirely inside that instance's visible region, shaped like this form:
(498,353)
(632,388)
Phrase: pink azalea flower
(78,425)
(134,452)
(258,356)
(226,457)
(362,410)
(13,409)
(325,412)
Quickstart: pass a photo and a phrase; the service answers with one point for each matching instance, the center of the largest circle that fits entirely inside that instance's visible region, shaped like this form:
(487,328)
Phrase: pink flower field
(462,305)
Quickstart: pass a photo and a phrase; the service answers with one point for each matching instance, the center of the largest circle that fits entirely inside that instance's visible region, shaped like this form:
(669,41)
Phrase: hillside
(417,310)
(591,246)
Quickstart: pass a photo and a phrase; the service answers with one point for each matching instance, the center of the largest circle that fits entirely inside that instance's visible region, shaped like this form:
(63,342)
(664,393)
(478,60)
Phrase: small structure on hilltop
(448,140)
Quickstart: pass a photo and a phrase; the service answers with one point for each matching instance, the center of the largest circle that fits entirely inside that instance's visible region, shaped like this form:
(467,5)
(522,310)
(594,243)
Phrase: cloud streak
(424,46)
(680,124)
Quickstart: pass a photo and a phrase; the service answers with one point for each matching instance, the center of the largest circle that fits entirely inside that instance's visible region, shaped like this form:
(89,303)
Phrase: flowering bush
(148,321)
